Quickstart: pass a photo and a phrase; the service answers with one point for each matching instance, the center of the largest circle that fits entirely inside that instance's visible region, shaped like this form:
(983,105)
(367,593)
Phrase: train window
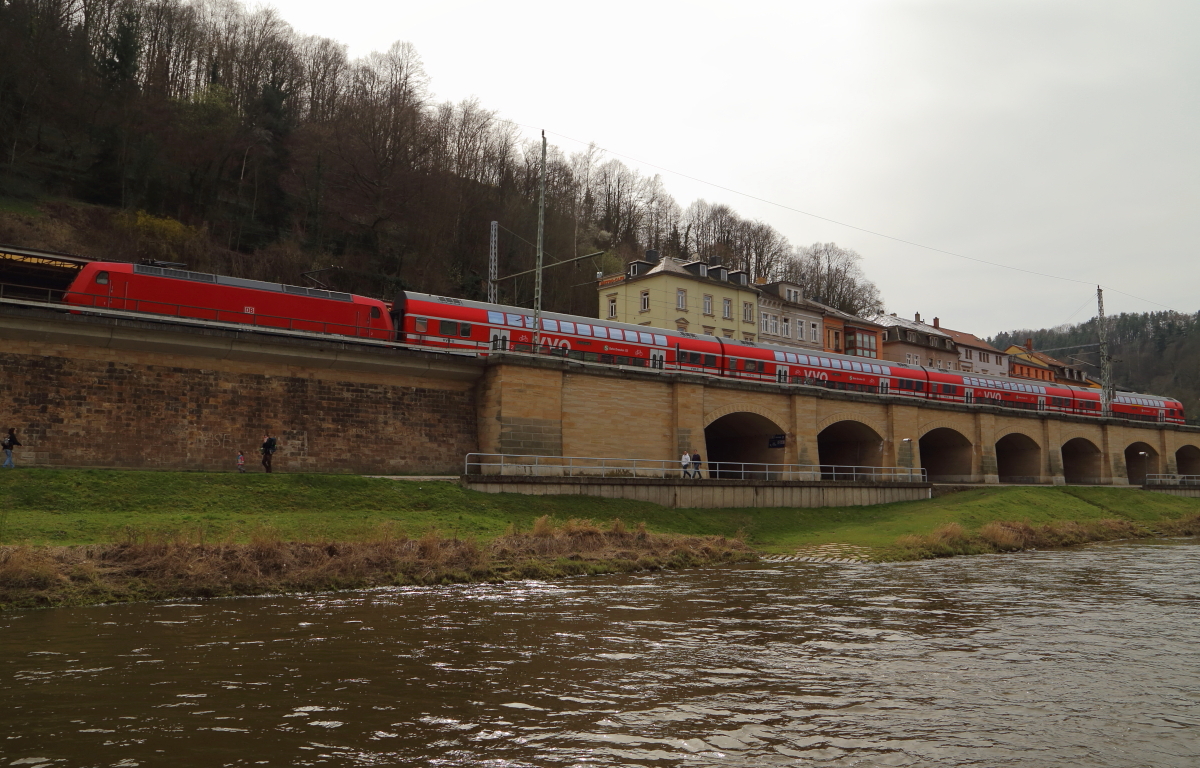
(529,322)
(857,366)
(802,359)
(567,326)
(591,357)
(949,389)
(732,365)
(752,365)
(791,358)
(660,340)
(496,318)
(710,360)
(631,336)
(514,320)
(549,325)
(600,331)
(420,325)
(693,358)
(583,329)
(447,327)
(645,338)
(622,360)
(606,359)
(375,314)
(101,278)
(464,330)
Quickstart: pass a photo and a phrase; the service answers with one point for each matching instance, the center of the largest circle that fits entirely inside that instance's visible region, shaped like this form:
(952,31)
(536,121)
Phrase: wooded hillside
(225,140)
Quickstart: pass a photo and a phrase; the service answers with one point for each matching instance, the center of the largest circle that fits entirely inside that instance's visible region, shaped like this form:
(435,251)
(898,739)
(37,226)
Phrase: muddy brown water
(1075,658)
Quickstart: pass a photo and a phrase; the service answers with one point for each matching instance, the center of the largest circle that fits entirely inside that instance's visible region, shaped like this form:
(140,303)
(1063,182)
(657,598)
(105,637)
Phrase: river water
(1074,658)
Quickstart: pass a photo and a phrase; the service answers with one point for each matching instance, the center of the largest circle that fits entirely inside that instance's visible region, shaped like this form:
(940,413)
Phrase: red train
(471,327)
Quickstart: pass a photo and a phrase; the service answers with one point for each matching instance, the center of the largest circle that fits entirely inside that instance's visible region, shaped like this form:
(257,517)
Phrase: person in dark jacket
(10,442)
(268,450)
(696,461)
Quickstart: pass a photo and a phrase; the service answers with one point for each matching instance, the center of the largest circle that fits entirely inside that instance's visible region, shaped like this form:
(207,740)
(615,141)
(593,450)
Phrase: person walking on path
(686,461)
(10,442)
(268,450)
(696,466)
(241,462)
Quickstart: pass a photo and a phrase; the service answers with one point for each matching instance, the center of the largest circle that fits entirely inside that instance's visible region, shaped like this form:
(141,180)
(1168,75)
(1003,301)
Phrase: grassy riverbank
(76,536)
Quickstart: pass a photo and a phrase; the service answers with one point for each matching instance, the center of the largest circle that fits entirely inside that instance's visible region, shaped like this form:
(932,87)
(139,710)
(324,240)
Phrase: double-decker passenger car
(462,326)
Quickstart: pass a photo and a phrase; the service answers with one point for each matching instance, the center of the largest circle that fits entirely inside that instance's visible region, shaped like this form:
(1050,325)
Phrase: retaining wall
(705,494)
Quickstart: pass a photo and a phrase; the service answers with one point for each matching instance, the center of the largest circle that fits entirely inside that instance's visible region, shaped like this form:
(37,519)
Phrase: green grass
(62,507)
(20,206)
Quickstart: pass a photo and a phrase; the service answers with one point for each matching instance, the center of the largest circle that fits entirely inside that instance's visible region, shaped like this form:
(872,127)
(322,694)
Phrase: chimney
(917,317)
(1029,344)
(936,323)
(652,256)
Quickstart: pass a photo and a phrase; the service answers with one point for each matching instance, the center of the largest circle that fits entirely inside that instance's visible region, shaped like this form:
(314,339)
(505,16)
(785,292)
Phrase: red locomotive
(462,326)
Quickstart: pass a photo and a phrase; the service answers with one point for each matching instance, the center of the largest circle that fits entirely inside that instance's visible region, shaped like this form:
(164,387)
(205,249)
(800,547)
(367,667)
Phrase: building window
(727,309)
(983,357)
(747,312)
(707,304)
(787,328)
(775,324)
(612,307)
(765,321)
(814,333)
(967,354)
(727,333)
(645,301)
(680,299)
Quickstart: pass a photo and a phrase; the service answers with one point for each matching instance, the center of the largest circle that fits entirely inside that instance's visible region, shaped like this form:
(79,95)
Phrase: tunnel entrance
(1018,459)
(946,456)
(1081,461)
(741,438)
(849,444)
(1140,460)
(1187,460)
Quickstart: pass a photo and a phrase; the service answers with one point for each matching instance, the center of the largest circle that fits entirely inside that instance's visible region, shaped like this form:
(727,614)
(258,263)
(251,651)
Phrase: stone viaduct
(121,391)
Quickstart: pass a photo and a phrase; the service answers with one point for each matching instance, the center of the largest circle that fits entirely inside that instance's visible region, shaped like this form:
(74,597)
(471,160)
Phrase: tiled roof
(893,320)
(970,340)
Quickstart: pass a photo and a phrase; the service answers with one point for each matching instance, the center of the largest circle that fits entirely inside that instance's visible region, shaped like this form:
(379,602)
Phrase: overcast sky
(1057,137)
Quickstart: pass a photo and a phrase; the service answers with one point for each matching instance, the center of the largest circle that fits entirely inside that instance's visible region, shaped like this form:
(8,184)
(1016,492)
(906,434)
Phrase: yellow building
(1026,362)
(684,296)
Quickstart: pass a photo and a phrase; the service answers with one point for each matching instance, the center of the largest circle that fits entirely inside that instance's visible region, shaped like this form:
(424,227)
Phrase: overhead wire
(855,227)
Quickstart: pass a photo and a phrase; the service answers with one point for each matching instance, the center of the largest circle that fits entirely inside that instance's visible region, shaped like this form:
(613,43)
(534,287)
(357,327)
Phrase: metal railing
(1172,480)
(523,465)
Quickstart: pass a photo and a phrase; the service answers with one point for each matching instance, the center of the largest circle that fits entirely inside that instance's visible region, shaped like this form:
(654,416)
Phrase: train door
(781,374)
(1041,403)
(1162,415)
(499,339)
(884,386)
(968,396)
(658,358)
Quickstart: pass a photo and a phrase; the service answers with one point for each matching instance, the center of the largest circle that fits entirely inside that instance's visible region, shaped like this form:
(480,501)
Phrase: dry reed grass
(1008,536)
(153,566)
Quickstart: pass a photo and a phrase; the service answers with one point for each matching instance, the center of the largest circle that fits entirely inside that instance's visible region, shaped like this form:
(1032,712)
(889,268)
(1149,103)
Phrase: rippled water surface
(1081,658)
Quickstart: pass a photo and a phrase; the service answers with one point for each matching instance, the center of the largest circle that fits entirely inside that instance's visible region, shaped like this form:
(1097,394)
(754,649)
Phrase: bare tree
(831,275)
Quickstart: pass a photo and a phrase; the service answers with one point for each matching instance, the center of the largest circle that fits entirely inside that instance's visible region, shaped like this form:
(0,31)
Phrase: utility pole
(1106,382)
(493,262)
(537,282)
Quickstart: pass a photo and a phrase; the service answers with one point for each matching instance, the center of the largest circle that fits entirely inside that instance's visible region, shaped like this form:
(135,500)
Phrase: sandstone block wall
(89,407)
